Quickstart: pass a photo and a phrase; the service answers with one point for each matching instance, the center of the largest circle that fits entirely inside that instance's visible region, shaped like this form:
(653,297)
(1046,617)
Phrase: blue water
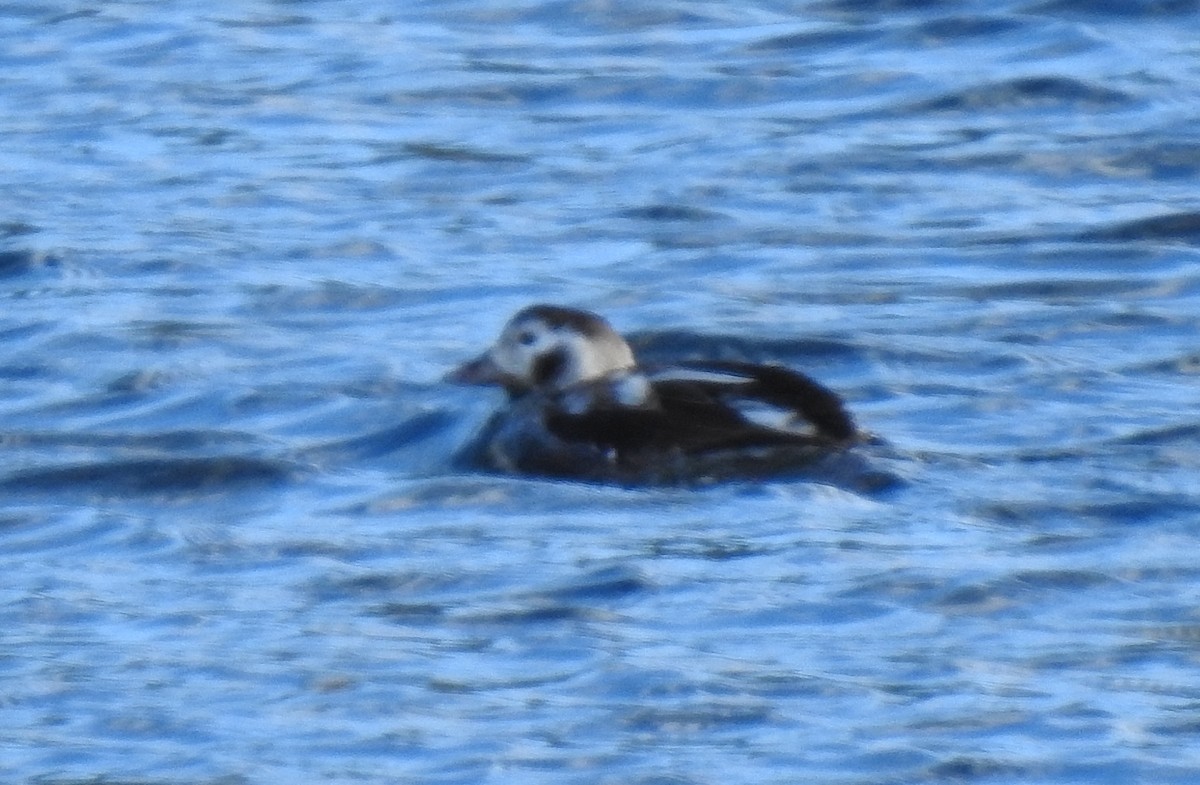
(243,242)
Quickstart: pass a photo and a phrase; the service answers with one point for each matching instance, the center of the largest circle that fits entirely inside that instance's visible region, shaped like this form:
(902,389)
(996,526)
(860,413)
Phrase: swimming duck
(579,405)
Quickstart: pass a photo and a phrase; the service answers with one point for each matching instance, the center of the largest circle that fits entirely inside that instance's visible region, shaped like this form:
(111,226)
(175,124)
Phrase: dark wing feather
(617,427)
(701,411)
(683,415)
(781,387)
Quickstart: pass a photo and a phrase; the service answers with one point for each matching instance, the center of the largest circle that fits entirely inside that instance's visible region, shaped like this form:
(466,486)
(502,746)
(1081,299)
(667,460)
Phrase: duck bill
(481,370)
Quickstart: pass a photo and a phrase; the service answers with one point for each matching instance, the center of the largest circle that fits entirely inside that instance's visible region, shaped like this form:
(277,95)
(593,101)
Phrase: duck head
(549,348)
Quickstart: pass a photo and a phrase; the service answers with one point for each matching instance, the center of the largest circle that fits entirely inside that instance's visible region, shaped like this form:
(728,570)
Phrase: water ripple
(151,475)
(241,247)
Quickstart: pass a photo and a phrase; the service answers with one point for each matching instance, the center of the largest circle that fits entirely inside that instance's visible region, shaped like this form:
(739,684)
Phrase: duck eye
(526,338)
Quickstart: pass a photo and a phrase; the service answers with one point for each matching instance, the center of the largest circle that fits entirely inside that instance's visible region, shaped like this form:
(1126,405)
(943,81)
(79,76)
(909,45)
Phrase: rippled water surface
(243,242)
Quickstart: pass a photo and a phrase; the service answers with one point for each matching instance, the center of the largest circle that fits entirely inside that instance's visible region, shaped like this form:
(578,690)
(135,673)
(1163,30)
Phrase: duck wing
(681,423)
(695,409)
(731,383)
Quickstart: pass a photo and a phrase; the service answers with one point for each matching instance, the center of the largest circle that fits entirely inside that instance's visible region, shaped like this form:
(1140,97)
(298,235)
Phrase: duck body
(580,406)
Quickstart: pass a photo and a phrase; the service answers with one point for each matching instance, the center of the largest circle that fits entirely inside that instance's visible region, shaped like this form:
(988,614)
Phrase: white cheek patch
(508,360)
(516,356)
(580,363)
(595,357)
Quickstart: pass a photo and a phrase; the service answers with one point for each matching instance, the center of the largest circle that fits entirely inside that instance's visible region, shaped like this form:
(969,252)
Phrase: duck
(579,405)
